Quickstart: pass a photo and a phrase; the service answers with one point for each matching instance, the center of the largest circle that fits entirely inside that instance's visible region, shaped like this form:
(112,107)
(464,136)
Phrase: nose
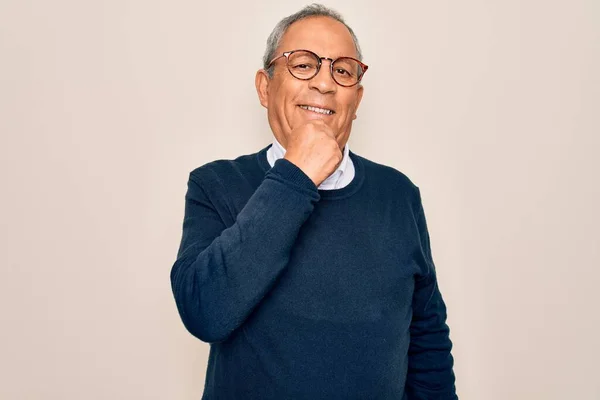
(323,81)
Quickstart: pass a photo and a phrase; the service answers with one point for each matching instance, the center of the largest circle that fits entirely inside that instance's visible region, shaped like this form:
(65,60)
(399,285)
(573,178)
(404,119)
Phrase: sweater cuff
(290,172)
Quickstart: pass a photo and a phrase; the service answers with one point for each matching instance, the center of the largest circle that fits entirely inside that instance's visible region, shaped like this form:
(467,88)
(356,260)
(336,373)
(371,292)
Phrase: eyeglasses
(305,65)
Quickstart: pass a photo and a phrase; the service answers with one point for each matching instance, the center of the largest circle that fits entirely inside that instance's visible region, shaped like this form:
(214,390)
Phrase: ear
(262,87)
(360,89)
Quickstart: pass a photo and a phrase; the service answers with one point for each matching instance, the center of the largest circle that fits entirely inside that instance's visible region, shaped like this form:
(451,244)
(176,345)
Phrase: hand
(313,148)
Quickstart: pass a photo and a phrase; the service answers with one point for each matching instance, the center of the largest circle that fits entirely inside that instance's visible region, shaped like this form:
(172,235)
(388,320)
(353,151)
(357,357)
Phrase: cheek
(281,97)
(349,106)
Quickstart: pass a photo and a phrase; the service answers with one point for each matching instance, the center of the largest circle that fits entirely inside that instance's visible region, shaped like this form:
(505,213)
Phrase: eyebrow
(320,55)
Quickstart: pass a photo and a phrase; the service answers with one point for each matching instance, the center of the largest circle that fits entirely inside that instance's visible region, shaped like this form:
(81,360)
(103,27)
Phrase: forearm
(217,285)
(430,371)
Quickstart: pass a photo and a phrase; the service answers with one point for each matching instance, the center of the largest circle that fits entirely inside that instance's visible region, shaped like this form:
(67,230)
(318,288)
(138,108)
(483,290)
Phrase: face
(283,95)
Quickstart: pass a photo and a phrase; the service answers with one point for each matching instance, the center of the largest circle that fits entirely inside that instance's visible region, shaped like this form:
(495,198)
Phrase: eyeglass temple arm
(277,58)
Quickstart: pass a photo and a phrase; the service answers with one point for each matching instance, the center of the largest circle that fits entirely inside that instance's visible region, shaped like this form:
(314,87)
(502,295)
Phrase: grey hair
(313,10)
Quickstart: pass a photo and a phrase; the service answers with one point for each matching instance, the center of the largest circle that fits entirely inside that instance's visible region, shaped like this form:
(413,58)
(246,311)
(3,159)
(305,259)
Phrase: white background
(490,107)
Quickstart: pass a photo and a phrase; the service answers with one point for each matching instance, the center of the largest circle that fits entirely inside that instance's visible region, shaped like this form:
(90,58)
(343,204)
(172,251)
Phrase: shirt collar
(278,151)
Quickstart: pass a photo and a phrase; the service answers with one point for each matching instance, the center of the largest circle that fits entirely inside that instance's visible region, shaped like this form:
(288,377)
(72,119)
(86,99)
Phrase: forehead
(323,35)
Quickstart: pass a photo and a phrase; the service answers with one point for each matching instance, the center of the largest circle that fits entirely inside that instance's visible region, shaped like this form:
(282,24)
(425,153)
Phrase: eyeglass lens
(303,65)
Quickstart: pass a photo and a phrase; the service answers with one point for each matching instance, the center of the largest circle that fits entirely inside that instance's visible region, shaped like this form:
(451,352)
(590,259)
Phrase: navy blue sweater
(311,294)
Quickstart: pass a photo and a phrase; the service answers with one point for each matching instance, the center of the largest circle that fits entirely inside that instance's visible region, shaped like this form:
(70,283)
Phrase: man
(306,266)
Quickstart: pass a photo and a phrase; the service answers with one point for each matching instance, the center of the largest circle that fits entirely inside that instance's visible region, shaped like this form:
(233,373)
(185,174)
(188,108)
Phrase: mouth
(318,110)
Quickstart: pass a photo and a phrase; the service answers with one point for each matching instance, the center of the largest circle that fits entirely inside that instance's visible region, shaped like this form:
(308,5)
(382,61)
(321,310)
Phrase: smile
(323,111)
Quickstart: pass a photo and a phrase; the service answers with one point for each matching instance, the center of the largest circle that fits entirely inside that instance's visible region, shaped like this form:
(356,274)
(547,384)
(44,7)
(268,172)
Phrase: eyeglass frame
(286,54)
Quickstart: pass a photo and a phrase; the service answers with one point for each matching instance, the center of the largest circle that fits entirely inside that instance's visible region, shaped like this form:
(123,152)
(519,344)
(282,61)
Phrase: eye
(341,71)
(304,66)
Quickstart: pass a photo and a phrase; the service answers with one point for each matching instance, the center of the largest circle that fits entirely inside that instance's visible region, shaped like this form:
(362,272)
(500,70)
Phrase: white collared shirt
(341,177)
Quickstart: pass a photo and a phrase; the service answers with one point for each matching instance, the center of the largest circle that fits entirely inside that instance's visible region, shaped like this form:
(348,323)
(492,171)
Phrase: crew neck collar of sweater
(330,194)
(339,178)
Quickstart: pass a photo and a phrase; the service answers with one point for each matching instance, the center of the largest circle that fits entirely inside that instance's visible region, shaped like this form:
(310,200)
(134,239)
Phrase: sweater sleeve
(222,273)
(430,365)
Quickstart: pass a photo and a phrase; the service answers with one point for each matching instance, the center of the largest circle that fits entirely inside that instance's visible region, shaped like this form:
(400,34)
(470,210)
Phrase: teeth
(318,110)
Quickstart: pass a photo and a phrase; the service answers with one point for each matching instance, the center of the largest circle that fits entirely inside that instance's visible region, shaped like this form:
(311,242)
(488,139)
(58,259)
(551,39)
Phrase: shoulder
(388,184)
(388,176)
(225,169)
